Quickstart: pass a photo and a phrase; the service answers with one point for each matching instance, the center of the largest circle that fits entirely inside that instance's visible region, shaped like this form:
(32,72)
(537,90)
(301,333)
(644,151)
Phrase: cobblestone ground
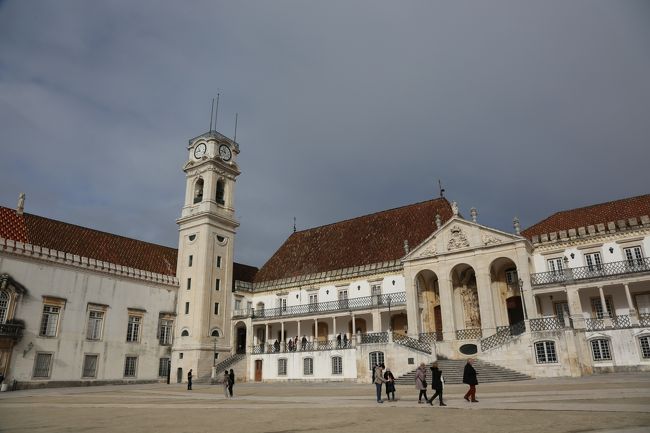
(607,403)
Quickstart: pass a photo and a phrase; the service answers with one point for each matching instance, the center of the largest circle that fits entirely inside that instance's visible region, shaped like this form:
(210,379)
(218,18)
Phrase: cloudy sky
(345,108)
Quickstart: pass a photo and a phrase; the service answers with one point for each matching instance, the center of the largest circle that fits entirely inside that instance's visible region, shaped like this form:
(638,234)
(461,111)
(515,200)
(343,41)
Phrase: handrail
(602,270)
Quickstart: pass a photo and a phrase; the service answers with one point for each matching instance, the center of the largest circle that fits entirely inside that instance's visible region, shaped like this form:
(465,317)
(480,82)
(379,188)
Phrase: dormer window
(198,191)
(221,191)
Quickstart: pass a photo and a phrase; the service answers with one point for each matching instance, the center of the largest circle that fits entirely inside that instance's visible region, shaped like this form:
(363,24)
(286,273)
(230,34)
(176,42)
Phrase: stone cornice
(588,239)
(53,256)
(592,232)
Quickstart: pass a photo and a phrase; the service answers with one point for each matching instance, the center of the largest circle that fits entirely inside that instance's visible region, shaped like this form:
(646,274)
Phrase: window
(282,366)
(50,320)
(594,262)
(95,325)
(165,327)
(313,302)
(600,350)
(376,358)
(217,285)
(642,302)
(189,261)
(337,365)
(189,283)
(218,261)
(216,308)
(645,347)
(221,191)
(180,355)
(187,308)
(308,366)
(237,304)
(282,304)
(42,364)
(198,191)
(130,366)
(597,307)
(259,309)
(215,333)
(375,290)
(343,298)
(511,277)
(633,256)
(163,367)
(555,265)
(185,333)
(545,352)
(561,310)
(90,366)
(4,305)
(133,329)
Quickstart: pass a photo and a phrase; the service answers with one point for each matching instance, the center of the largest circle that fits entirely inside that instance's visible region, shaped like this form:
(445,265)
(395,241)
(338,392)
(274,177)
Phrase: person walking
(437,383)
(390,384)
(226,384)
(338,341)
(231,376)
(303,342)
(345,340)
(421,383)
(189,380)
(379,380)
(469,377)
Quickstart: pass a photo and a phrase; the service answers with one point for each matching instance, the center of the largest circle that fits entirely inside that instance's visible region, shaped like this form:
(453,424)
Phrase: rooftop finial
(454,208)
(294,224)
(406,246)
(441,189)
(474,213)
(21,203)
(438,221)
(211,114)
(216,112)
(515,224)
(234,138)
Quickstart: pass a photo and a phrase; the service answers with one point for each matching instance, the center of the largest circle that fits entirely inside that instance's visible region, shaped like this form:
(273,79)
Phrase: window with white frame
(42,364)
(95,325)
(50,320)
(642,301)
(594,262)
(130,366)
(90,366)
(597,307)
(633,256)
(644,341)
(600,350)
(308,366)
(163,367)
(545,352)
(313,302)
(282,304)
(376,358)
(133,329)
(282,367)
(337,365)
(555,265)
(4,305)
(165,327)
(237,304)
(343,298)
(511,277)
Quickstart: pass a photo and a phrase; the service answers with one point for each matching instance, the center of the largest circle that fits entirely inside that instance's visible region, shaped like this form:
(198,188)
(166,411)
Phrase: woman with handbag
(421,384)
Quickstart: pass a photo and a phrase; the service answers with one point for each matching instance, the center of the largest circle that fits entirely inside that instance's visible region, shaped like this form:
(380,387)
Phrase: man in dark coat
(437,383)
(469,377)
(189,380)
(231,376)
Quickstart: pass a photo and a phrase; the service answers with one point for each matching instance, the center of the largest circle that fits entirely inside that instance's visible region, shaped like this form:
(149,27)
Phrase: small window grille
(308,366)
(375,359)
(600,350)
(282,367)
(130,365)
(337,365)
(133,329)
(90,366)
(95,322)
(42,364)
(163,367)
(545,352)
(645,347)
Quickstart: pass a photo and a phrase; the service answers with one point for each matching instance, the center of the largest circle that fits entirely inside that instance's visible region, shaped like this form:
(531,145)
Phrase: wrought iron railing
(594,324)
(374,337)
(411,343)
(621,322)
(430,337)
(644,319)
(232,359)
(591,272)
(242,313)
(385,300)
(548,323)
(469,334)
(308,346)
(11,330)
(503,335)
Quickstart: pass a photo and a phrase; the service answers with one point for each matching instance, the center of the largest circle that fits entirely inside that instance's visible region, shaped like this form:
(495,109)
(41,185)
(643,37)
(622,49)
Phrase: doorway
(515,311)
(179,375)
(437,318)
(241,340)
(258,370)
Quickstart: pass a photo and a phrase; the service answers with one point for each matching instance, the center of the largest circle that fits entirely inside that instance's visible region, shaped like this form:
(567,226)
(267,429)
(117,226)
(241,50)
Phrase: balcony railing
(469,334)
(11,330)
(644,319)
(308,346)
(430,337)
(374,338)
(375,301)
(503,335)
(411,343)
(549,323)
(604,270)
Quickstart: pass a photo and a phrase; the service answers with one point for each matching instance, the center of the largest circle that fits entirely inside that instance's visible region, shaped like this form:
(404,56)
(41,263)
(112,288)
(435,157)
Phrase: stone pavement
(615,403)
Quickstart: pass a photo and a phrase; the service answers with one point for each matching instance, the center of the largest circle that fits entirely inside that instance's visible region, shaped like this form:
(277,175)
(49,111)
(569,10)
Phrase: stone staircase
(452,371)
(222,366)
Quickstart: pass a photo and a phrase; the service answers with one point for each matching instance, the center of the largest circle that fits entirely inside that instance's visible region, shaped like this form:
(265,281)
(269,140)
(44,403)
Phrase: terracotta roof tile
(591,215)
(368,239)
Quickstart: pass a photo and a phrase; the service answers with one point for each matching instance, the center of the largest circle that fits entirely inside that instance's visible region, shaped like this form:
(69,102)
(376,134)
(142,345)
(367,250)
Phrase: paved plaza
(607,403)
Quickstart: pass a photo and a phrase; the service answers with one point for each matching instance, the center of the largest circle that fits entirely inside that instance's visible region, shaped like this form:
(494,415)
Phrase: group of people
(382,375)
(228,382)
(293,344)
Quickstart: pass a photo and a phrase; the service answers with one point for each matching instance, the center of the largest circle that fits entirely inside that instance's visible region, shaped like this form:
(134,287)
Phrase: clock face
(199,150)
(224,152)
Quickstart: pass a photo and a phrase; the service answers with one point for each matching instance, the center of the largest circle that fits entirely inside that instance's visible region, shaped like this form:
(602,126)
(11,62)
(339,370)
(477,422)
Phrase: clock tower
(205,257)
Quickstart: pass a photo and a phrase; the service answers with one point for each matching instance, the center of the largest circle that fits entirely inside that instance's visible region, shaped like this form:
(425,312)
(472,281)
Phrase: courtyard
(603,403)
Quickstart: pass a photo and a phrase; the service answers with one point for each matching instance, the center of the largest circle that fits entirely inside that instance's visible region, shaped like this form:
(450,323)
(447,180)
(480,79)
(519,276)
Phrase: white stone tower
(205,257)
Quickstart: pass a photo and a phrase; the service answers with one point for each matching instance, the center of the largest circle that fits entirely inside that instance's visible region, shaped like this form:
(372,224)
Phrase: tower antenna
(235,137)
(211,114)
(216,112)
(441,189)
(294,224)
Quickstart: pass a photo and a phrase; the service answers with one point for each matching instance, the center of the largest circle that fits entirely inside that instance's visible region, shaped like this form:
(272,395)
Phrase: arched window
(308,366)
(375,359)
(4,306)
(337,365)
(221,191)
(545,352)
(600,350)
(198,191)
(215,333)
(185,333)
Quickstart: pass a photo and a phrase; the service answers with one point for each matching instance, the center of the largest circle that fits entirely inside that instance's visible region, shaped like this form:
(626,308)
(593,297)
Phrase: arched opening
(322,331)
(240,331)
(215,333)
(426,282)
(221,191)
(466,304)
(399,323)
(185,333)
(505,292)
(198,191)
(360,326)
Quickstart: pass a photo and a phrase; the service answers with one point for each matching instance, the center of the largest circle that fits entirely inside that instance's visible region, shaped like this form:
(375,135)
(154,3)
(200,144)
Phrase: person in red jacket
(469,377)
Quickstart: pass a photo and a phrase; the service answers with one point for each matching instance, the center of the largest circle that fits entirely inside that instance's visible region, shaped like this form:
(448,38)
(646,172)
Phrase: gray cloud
(346,108)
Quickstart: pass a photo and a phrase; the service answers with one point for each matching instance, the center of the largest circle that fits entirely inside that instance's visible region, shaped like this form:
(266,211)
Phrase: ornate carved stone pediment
(429,251)
(458,239)
(490,240)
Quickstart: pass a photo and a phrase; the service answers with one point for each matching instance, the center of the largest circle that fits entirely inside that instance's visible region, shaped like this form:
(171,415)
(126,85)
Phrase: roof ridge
(370,214)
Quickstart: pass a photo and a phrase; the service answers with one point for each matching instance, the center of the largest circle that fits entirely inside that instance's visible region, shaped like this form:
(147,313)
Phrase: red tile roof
(632,207)
(368,239)
(95,244)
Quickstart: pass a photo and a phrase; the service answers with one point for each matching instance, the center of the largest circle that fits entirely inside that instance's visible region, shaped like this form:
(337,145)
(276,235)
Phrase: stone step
(452,371)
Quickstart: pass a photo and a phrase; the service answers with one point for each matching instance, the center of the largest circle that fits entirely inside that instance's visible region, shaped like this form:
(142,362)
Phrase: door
(515,311)
(562,311)
(437,318)
(241,340)
(179,375)
(258,370)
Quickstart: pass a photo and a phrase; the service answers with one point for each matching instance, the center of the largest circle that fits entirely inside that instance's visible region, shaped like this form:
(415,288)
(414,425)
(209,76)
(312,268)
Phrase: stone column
(354,327)
(412,308)
(299,334)
(334,326)
(282,339)
(485,301)
(603,304)
(315,329)
(634,318)
(446,307)
(523,273)
(376,321)
(575,308)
